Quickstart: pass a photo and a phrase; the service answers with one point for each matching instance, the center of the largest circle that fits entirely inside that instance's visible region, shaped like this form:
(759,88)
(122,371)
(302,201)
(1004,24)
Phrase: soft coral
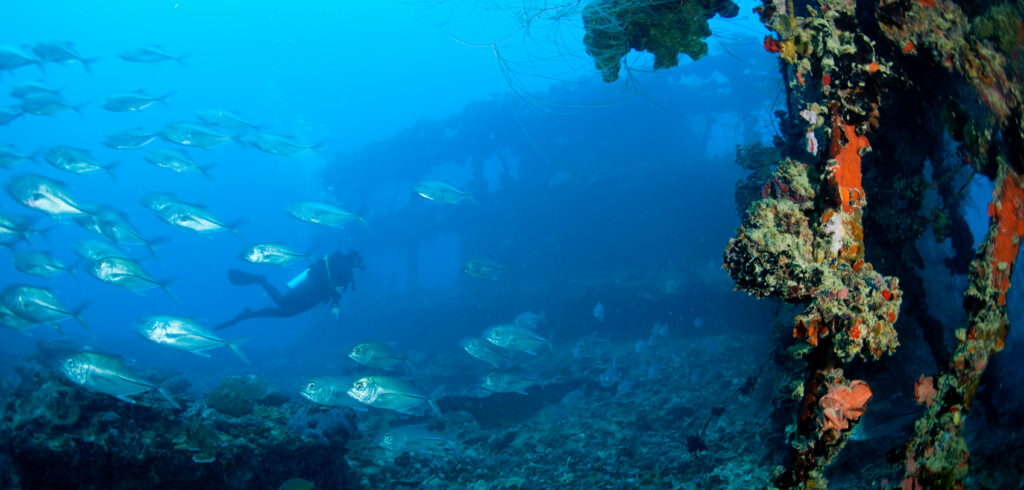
(842,404)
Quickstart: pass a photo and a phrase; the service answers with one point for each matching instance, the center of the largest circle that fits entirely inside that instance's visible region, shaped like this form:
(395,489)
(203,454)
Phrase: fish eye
(311,386)
(387,437)
(360,385)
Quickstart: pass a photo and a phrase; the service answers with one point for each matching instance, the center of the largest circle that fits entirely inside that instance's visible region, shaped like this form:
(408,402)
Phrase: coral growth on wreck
(662,27)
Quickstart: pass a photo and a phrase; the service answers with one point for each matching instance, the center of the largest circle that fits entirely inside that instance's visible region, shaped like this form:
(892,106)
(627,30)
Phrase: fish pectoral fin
(124,399)
(200,353)
(137,382)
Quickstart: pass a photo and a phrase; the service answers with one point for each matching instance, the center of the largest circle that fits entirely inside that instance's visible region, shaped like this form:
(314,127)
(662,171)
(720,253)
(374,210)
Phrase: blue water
(400,92)
(588,193)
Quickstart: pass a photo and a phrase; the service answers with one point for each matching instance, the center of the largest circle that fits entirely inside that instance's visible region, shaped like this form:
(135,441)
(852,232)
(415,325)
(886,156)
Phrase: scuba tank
(299,279)
(295,281)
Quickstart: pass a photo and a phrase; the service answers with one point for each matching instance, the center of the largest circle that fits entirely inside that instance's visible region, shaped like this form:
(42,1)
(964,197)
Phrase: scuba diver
(324,281)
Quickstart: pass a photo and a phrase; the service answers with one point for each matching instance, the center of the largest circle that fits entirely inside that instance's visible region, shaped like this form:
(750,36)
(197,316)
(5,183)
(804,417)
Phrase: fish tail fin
(181,60)
(235,346)
(409,366)
(71,268)
(432,400)
(318,147)
(77,315)
(167,396)
(37,155)
(43,232)
(166,99)
(109,169)
(78,109)
(205,170)
(151,245)
(233,227)
(42,66)
(87,64)
(472,199)
(166,286)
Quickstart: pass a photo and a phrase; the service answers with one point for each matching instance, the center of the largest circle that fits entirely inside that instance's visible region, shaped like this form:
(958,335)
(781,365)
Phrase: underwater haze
(385,244)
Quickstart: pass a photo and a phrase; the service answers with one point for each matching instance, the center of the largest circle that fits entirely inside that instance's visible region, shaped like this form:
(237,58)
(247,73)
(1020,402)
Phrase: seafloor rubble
(660,412)
(244,435)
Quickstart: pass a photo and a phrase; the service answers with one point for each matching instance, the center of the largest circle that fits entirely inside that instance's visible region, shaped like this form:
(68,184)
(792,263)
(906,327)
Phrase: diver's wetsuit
(327,279)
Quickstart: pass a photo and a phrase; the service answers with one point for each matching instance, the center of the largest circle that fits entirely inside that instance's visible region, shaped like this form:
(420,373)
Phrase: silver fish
(8,114)
(158,200)
(115,226)
(61,52)
(185,334)
(75,160)
(272,254)
(151,54)
(485,351)
(225,119)
(376,354)
(194,134)
(43,104)
(388,393)
(94,250)
(44,195)
(330,391)
(14,322)
(126,273)
(514,337)
(321,213)
(529,319)
(184,215)
(176,161)
(25,89)
(281,145)
(611,375)
(39,305)
(413,439)
(483,268)
(15,228)
(508,381)
(40,264)
(129,139)
(12,58)
(436,190)
(9,156)
(107,374)
(134,101)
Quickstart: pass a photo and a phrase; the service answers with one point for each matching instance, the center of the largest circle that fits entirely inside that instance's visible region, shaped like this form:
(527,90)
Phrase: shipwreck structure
(877,93)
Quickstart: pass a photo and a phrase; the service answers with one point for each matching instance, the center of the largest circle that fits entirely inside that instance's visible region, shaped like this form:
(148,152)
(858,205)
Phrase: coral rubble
(63,436)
